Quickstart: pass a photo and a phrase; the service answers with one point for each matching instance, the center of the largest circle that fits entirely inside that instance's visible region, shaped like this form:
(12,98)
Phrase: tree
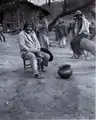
(49,2)
(68,8)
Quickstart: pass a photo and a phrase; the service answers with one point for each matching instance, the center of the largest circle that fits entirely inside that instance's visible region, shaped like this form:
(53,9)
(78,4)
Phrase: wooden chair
(28,65)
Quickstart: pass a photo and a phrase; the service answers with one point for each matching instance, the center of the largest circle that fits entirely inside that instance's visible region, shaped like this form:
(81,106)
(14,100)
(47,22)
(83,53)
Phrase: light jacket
(84,28)
(28,42)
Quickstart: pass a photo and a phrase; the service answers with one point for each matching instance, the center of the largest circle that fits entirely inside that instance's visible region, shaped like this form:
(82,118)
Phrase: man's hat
(28,23)
(49,53)
(78,12)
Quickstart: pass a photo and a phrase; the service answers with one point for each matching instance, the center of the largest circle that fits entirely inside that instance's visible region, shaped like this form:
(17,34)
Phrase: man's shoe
(73,56)
(43,70)
(42,67)
(81,57)
(38,76)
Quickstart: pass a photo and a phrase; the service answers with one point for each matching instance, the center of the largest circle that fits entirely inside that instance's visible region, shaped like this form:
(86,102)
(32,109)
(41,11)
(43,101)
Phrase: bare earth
(23,98)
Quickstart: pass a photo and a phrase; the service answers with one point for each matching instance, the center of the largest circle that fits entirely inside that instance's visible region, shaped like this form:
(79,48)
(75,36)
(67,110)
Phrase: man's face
(28,29)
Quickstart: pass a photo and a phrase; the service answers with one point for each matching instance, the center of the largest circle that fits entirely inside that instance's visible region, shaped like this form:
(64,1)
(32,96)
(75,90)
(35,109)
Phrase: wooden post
(18,14)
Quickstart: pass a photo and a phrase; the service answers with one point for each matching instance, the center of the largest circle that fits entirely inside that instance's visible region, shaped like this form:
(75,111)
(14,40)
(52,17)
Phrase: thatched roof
(13,5)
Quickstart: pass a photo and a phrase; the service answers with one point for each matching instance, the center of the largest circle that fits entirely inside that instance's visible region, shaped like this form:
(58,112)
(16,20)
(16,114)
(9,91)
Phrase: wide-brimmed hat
(48,52)
(78,12)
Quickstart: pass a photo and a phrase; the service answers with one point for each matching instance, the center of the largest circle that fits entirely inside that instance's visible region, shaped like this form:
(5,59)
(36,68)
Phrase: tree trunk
(89,46)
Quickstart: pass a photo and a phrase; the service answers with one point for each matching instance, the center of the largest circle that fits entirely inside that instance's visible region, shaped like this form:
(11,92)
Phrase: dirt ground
(23,98)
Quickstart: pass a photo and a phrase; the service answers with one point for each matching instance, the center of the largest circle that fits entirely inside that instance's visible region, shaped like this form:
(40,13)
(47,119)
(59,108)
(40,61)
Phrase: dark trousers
(75,44)
(2,37)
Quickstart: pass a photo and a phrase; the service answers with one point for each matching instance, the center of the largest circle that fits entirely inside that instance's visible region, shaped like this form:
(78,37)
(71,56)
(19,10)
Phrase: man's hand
(38,54)
(35,50)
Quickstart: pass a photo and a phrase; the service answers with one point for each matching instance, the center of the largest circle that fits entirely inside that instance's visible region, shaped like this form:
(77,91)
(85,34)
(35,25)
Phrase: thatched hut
(14,14)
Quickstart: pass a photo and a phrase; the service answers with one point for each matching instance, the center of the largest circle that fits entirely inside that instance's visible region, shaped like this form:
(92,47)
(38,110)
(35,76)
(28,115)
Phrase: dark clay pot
(65,71)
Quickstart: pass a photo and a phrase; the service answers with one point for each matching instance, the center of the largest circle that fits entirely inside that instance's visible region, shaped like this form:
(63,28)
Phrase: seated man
(81,29)
(30,48)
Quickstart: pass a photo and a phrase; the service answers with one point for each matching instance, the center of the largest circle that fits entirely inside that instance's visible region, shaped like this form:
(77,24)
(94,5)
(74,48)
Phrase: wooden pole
(18,13)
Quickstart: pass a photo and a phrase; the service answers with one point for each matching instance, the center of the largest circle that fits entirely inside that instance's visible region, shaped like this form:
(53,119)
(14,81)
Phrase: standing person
(71,28)
(56,30)
(2,37)
(43,32)
(81,31)
(30,48)
(61,30)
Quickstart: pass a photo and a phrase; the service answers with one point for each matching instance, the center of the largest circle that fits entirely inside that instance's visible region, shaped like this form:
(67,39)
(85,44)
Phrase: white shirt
(85,26)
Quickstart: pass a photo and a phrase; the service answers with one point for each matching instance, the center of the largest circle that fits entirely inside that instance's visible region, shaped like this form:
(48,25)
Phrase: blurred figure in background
(61,33)
(42,29)
(2,37)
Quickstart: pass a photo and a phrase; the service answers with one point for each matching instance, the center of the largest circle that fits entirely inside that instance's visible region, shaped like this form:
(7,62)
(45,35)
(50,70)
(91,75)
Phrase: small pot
(65,71)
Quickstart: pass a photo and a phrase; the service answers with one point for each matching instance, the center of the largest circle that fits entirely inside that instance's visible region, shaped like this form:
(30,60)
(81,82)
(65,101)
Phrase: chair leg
(39,60)
(24,63)
(39,65)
